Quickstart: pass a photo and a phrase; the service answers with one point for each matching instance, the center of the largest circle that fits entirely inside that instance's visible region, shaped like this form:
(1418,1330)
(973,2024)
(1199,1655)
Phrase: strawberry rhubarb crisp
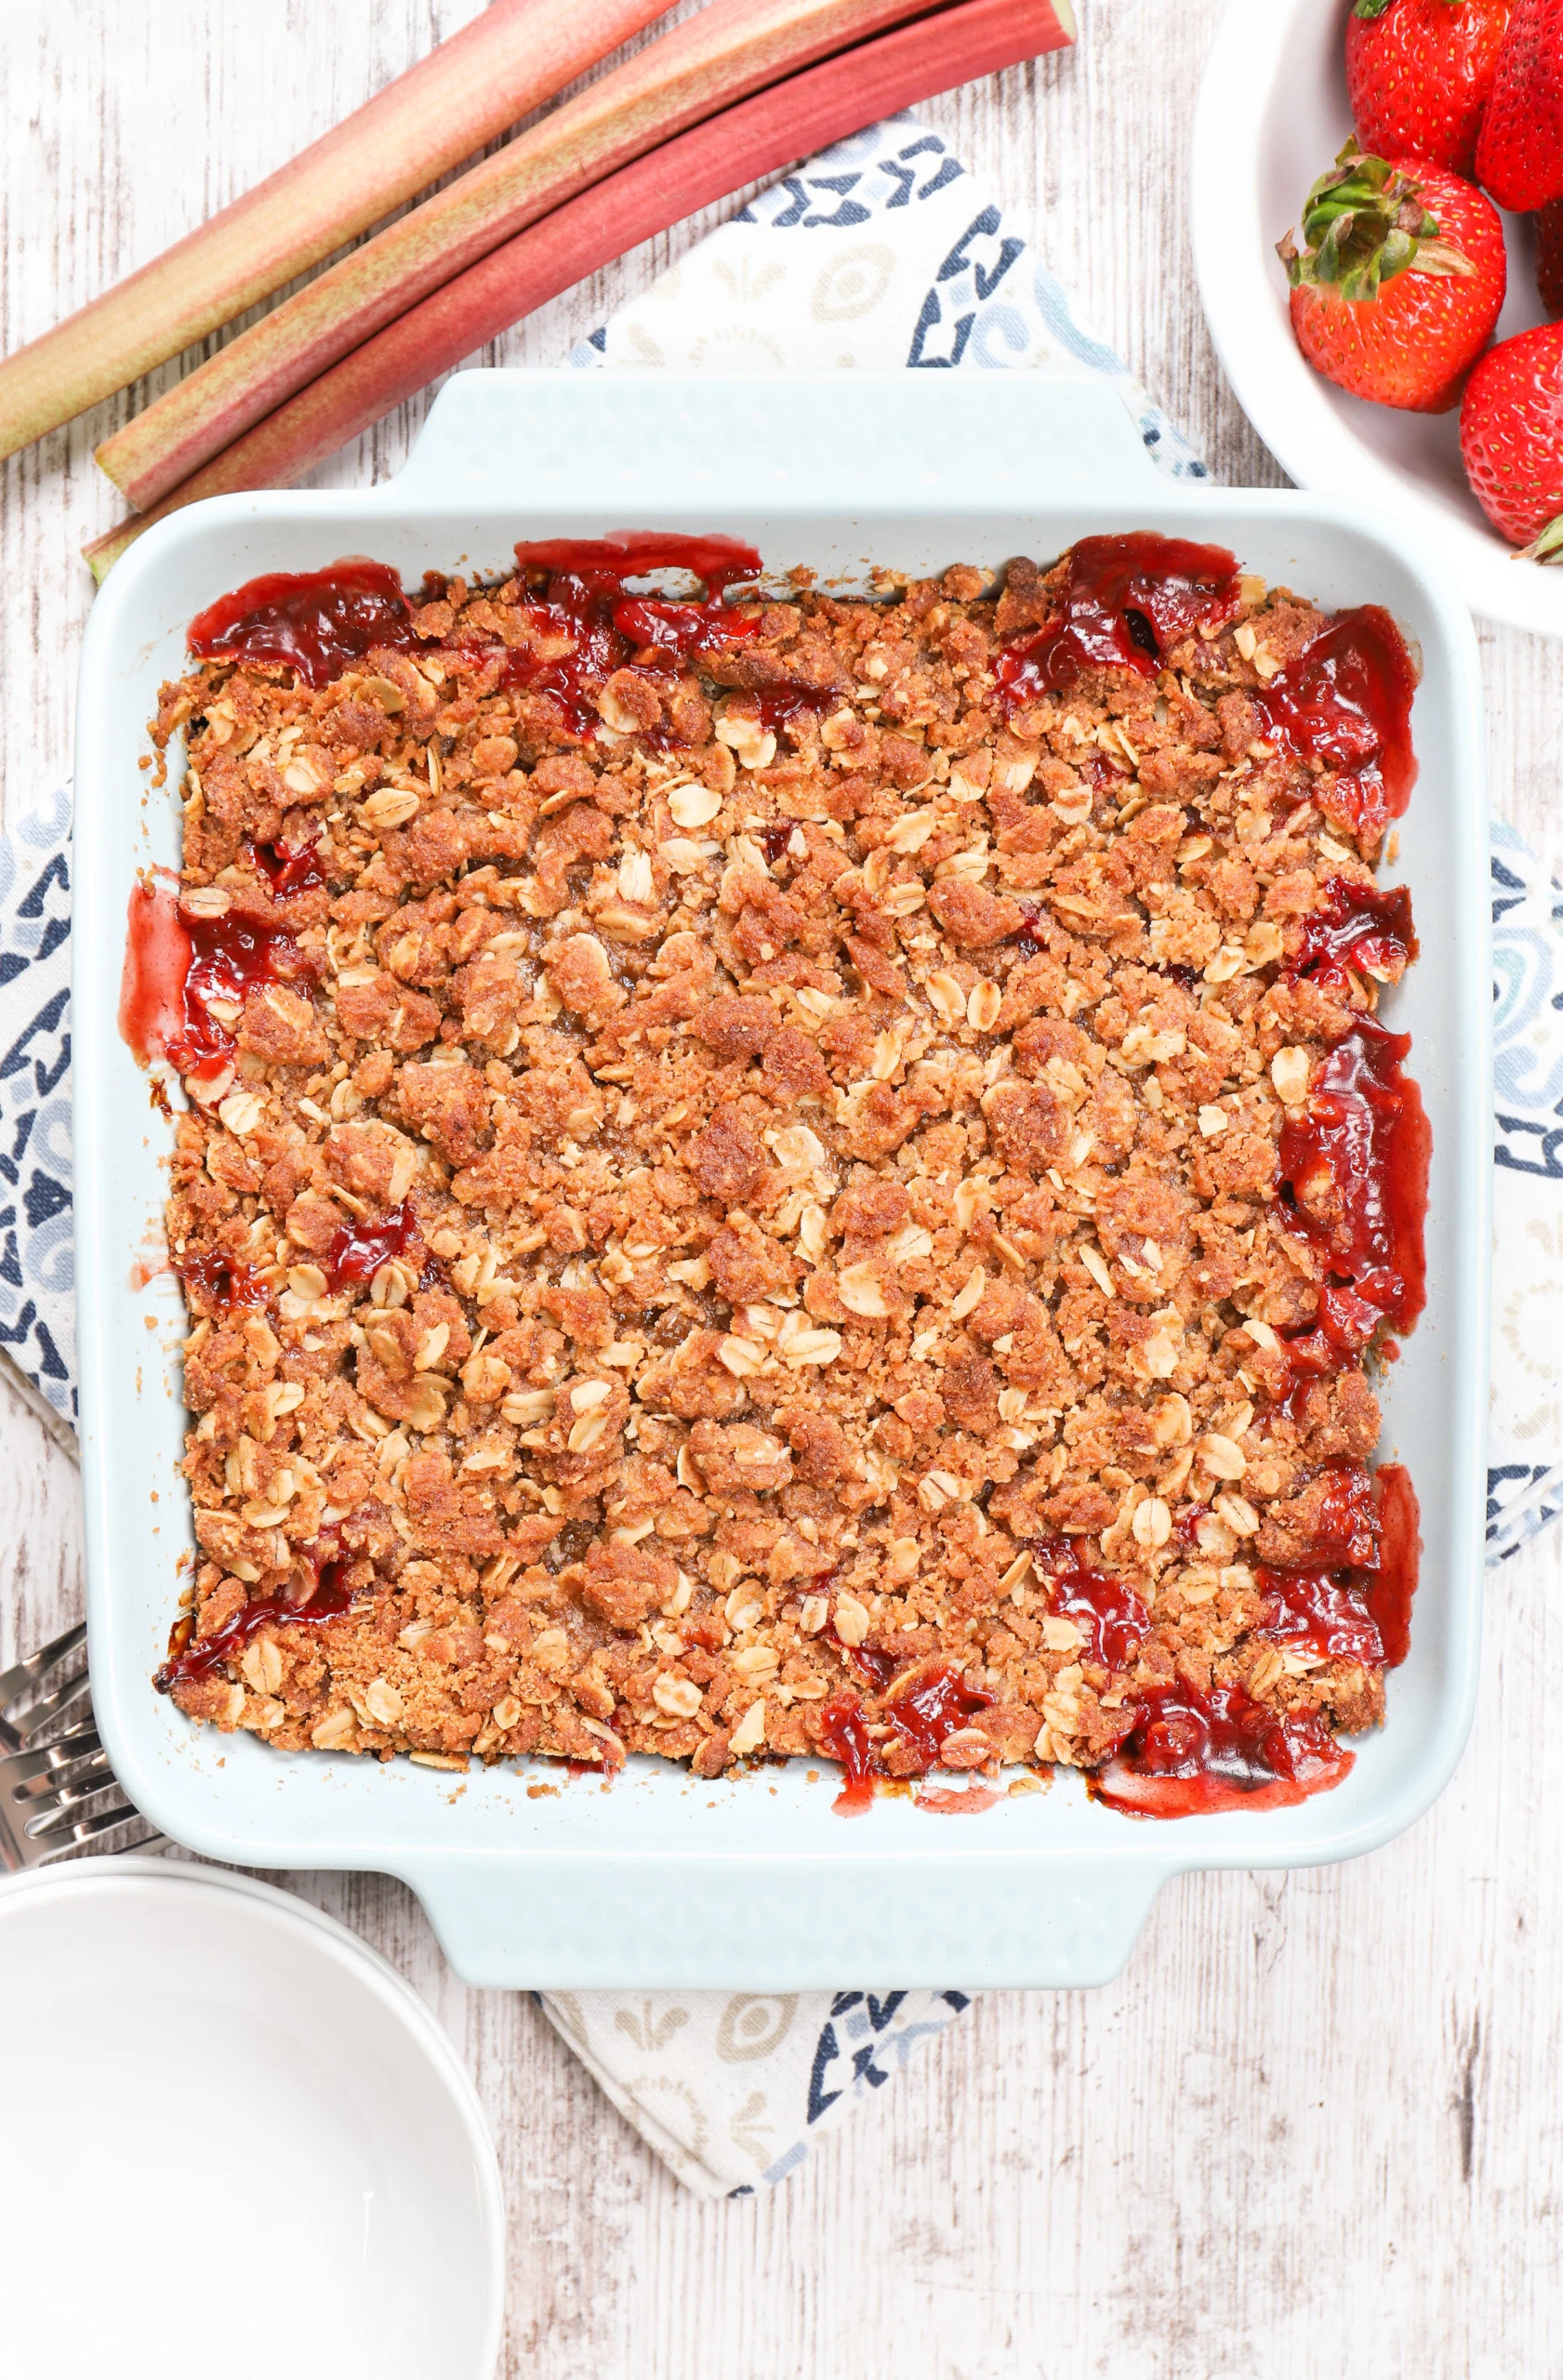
(811,1177)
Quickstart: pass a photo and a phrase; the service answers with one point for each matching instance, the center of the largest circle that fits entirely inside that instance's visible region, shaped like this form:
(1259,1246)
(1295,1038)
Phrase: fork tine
(53,1785)
(100,1822)
(61,1796)
(23,1675)
(60,1705)
(47,1812)
(50,1761)
(147,1839)
(43,1838)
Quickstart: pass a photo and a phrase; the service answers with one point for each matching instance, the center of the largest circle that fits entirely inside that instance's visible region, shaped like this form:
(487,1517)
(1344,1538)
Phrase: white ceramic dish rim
(369,1972)
(750,1882)
(1272,112)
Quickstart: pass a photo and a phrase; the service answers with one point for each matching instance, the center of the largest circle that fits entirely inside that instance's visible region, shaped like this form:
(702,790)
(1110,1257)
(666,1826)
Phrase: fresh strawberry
(1549,255)
(1402,279)
(1419,71)
(1519,150)
(1511,438)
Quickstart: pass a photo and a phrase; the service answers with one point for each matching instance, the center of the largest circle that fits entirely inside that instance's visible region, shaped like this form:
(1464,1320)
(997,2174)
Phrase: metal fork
(58,1792)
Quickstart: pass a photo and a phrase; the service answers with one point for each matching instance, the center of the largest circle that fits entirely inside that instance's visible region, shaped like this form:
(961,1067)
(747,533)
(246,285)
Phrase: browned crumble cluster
(841,1156)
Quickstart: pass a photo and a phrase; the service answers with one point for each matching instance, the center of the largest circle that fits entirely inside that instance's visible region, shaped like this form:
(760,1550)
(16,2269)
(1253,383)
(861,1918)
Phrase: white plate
(752,1882)
(233,2143)
(1272,113)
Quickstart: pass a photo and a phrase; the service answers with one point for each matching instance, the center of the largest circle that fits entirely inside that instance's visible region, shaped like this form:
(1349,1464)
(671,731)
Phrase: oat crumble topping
(720,1212)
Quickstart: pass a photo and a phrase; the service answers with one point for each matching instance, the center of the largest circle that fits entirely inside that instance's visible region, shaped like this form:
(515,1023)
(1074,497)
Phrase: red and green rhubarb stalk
(757,137)
(731,48)
(515,55)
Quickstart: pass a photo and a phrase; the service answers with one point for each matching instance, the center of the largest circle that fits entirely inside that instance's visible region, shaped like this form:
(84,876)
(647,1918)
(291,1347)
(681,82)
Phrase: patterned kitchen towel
(900,260)
(732,2089)
(1525,1424)
(37,1253)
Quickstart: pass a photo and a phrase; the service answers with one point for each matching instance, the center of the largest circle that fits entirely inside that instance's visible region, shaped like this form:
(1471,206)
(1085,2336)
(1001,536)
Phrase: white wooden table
(1314,2126)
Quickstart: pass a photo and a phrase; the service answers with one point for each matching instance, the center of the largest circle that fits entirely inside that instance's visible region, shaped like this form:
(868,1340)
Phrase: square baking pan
(753,1881)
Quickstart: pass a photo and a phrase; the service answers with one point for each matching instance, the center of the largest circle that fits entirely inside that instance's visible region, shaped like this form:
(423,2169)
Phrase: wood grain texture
(1315,2126)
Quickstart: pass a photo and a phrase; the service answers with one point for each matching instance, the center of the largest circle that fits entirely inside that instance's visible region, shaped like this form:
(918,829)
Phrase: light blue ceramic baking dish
(755,1883)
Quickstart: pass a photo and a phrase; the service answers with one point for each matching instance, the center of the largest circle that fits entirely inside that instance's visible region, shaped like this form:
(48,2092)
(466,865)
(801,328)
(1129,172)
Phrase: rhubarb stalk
(731,48)
(515,55)
(757,137)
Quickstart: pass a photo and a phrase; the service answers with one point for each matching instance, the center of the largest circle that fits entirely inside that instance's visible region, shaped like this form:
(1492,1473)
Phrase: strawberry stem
(1548,547)
(1363,222)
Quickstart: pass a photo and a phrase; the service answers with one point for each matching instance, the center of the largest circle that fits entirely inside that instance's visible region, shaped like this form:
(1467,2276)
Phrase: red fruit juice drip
(157,958)
(1392,1588)
(1364,1143)
(1101,773)
(1356,926)
(1186,1526)
(777,707)
(359,1249)
(843,1733)
(1030,940)
(584,599)
(1356,1163)
(319,622)
(1124,600)
(719,563)
(968,1803)
(1353,1601)
(926,1714)
(1345,699)
(877,1668)
(581,609)
(1320,1611)
(289,868)
(1187,1750)
(1111,1618)
(667,636)
(191,1658)
(216,1284)
(1346,1524)
(1191,1754)
(175,965)
(923,1718)
(231,957)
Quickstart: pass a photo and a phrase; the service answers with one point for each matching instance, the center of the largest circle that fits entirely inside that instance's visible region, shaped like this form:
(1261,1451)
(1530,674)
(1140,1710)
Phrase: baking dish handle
(914,443)
(553,1920)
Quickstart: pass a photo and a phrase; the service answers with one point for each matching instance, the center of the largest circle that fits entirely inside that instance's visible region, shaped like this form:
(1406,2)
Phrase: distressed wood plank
(1314,2125)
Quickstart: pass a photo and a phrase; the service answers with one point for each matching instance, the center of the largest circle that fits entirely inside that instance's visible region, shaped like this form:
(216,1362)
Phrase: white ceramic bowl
(232,2143)
(751,1882)
(1272,114)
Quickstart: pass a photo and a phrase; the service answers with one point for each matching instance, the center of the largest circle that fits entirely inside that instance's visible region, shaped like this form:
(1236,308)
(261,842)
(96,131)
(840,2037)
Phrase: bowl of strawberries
(1377,208)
